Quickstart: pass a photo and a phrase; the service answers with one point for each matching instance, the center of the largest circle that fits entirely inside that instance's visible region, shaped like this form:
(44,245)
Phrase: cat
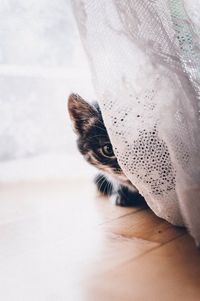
(94,144)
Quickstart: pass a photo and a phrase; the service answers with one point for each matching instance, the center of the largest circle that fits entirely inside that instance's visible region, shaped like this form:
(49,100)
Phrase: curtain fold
(145,63)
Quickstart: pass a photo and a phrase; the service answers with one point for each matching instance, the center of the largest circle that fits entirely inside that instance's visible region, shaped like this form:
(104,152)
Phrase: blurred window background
(41,62)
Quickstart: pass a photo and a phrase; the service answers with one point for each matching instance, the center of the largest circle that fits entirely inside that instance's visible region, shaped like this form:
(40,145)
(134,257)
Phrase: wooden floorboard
(144,224)
(169,272)
(59,242)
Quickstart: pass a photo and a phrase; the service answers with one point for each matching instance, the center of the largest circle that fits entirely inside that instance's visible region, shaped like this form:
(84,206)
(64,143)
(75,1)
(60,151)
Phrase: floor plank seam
(156,247)
(121,216)
(160,245)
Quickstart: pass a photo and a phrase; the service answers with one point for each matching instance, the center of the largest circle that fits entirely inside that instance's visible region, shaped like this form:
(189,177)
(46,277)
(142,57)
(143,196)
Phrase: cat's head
(93,140)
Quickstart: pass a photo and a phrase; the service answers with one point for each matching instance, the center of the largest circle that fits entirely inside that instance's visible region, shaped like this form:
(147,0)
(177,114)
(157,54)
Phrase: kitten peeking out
(94,144)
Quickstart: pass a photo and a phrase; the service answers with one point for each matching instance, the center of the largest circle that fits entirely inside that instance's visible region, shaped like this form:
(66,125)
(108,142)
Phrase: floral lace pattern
(144,57)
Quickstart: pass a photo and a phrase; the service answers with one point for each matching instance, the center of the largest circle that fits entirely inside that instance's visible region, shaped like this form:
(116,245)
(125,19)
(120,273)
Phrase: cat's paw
(118,200)
(130,198)
(127,198)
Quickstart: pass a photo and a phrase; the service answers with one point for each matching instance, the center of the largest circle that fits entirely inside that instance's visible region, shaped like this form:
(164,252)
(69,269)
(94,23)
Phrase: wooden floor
(58,242)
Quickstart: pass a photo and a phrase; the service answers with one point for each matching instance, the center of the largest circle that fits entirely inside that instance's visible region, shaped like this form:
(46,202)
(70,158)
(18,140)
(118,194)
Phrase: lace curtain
(145,62)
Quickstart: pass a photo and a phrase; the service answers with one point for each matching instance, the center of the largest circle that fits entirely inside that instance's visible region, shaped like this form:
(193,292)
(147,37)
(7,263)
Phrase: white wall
(41,62)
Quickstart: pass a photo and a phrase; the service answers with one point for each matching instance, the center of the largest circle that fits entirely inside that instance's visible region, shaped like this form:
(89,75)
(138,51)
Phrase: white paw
(115,200)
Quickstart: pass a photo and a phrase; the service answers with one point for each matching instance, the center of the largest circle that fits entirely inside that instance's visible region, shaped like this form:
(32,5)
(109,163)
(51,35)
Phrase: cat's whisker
(105,187)
(99,127)
(110,188)
(102,123)
(102,184)
(95,136)
(100,179)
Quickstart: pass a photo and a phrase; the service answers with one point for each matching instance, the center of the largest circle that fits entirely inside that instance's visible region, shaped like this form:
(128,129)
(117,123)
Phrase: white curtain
(145,61)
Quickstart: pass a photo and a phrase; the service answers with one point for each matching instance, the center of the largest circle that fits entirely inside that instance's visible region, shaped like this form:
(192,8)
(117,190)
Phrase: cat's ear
(82,114)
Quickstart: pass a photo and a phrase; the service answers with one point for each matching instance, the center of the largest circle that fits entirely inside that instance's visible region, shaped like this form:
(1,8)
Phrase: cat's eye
(107,150)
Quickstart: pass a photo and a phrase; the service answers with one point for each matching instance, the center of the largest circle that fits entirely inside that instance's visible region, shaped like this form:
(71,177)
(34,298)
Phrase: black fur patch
(127,198)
